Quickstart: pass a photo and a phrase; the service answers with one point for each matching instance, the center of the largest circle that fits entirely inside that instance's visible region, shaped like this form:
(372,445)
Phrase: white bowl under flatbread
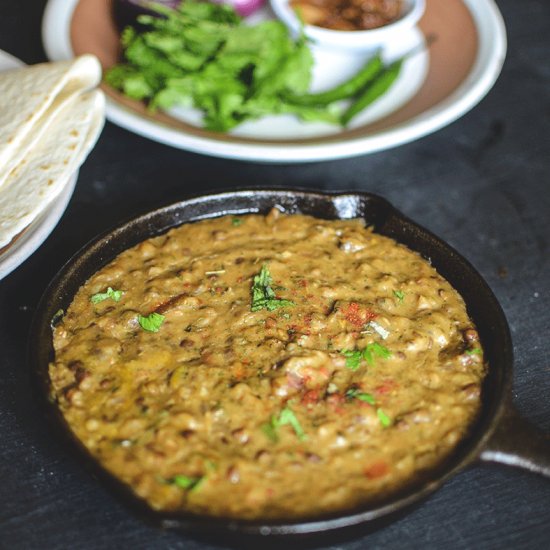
(50,117)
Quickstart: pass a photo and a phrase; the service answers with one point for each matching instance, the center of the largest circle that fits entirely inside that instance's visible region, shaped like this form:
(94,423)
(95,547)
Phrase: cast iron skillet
(500,435)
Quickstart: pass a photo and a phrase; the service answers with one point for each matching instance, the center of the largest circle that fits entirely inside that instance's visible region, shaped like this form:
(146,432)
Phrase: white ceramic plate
(468,68)
(38,231)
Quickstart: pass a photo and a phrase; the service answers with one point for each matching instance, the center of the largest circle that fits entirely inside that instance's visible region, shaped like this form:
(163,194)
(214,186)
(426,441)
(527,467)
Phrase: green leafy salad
(202,55)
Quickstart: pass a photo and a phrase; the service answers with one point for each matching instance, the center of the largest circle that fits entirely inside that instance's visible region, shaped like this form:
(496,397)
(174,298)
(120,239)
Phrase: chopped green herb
(399,294)
(285,417)
(375,349)
(56,319)
(354,357)
(385,420)
(199,484)
(474,351)
(236,222)
(263,296)
(115,295)
(366,397)
(270,431)
(152,322)
(186,482)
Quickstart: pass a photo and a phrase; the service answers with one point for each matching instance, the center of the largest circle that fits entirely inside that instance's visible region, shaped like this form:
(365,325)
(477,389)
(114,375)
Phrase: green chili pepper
(377,88)
(345,90)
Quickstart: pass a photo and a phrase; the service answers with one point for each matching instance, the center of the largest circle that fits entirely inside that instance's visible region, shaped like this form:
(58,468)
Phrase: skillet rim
(496,387)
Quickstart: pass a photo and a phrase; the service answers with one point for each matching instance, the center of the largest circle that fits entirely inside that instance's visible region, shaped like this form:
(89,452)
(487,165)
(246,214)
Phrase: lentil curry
(275,366)
(348,15)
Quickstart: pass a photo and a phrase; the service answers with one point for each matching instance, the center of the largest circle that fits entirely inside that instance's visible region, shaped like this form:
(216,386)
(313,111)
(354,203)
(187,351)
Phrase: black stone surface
(482,184)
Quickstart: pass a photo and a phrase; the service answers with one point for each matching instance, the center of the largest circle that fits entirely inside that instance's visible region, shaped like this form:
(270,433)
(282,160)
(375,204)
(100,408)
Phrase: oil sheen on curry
(275,366)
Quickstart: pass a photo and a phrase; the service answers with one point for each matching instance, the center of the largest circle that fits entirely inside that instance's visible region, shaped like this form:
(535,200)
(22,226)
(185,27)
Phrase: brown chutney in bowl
(277,366)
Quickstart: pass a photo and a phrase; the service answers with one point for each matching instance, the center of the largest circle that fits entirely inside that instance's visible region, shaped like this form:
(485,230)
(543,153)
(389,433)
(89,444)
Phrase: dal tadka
(348,15)
(275,366)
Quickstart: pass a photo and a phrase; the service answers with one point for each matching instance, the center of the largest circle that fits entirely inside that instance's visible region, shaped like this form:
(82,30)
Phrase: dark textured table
(482,184)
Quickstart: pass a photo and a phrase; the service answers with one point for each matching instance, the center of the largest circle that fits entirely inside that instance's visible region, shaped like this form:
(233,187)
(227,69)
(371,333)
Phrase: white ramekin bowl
(371,39)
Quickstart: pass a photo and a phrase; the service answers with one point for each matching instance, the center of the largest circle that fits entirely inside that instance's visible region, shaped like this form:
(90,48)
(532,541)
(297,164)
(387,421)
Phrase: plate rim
(491,52)
(35,234)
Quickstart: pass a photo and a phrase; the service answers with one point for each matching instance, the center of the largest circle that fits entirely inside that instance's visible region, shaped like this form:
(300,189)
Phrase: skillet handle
(517,442)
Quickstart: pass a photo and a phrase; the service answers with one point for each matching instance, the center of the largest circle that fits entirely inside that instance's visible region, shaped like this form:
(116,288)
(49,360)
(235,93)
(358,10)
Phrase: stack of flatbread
(50,118)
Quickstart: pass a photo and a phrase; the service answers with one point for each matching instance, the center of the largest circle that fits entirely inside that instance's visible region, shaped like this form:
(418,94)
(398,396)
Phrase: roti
(50,118)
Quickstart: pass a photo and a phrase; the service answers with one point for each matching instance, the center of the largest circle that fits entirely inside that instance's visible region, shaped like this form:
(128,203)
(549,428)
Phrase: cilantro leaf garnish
(186,482)
(152,322)
(236,222)
(474,351)
(399,294)
(286,417)
(270,431)
(354,357)
(115,295)
(366,397)
(385,420)
(375,349)
(263,296)
(354,393)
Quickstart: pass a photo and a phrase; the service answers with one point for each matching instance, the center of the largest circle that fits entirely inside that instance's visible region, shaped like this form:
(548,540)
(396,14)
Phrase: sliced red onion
(245,7)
